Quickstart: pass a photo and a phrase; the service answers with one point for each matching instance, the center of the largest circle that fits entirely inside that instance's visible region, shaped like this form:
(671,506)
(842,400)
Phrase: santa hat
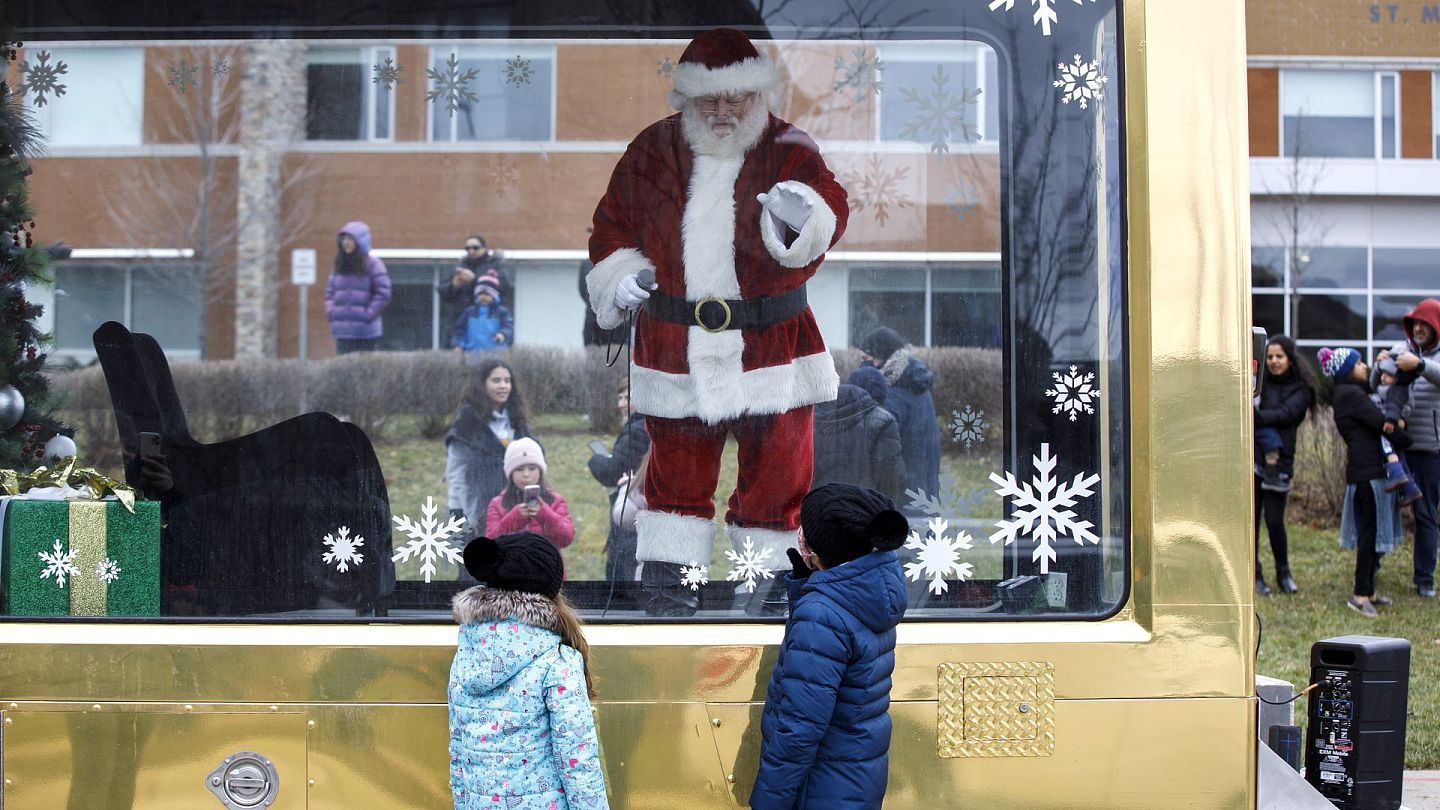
(521,452)
(719,61)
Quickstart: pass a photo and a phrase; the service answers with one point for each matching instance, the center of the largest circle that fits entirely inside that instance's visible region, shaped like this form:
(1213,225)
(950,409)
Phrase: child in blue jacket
(486,324)
(825,731)
(522,736)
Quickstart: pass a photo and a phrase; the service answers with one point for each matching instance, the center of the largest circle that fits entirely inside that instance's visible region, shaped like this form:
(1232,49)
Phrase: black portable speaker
(1355,736)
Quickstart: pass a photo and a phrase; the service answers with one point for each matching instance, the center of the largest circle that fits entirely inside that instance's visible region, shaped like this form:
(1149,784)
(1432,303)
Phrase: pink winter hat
(521,452)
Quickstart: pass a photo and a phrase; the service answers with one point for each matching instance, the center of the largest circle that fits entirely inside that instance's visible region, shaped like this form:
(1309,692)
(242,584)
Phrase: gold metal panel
(156,759)
(996,709)
(737,743)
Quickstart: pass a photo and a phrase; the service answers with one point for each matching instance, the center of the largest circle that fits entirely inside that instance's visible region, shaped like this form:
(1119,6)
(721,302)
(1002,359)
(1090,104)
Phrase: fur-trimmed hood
(905,370)
(480,603)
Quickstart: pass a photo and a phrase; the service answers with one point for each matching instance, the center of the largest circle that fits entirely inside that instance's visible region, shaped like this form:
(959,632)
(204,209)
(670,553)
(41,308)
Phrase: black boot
(664,595)
(770,599)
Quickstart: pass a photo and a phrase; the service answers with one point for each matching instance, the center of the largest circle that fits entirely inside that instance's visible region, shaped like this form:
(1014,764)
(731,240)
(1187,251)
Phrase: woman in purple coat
(358,291)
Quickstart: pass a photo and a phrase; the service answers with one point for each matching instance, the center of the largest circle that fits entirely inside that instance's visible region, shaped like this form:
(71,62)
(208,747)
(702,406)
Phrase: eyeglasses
(731,101)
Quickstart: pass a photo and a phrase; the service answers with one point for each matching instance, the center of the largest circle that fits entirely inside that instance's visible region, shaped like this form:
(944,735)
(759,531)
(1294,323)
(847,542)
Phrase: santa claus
(730,211)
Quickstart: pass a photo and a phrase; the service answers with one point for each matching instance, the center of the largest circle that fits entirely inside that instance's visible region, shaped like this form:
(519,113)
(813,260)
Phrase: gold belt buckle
(700,322)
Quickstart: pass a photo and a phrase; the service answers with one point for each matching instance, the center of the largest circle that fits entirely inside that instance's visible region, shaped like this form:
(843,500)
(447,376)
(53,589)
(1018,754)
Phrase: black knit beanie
(523,561)
(882,343)
(843,522)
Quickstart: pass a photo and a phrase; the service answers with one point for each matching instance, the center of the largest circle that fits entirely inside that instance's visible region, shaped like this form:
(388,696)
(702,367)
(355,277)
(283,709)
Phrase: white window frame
(370,55)
(932,53)
(42,115)
(1380,77)
(1376,113)
(437,54)
(125,260)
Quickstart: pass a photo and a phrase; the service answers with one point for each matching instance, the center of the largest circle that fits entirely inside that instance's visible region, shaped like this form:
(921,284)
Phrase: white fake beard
(704,141)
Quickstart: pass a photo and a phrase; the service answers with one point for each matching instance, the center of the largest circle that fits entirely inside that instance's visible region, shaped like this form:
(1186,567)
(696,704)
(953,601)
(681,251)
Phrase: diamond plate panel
(996,709)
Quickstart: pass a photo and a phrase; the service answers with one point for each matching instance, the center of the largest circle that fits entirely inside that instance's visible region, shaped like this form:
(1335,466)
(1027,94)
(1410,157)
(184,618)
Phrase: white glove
(629,294)
(786,205)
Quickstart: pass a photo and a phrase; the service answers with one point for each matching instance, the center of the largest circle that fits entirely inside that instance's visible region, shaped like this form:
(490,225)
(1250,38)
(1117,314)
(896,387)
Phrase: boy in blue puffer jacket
(485,325)
(825,732)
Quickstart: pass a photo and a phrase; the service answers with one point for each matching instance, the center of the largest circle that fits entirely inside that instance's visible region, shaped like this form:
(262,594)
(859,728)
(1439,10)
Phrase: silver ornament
(59,447)
(12,406)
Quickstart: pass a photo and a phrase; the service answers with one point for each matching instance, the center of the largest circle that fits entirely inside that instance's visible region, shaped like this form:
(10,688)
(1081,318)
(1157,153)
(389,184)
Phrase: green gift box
(81,558)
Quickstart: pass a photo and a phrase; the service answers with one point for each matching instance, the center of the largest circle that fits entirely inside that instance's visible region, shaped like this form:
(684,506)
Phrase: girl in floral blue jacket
(522,736)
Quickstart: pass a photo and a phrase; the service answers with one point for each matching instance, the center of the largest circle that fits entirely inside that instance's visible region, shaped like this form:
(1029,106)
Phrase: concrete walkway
(1422,790)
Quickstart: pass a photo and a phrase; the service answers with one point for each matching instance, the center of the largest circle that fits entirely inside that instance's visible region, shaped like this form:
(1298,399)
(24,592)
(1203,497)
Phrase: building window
(1406,268)
(512,90)
(961,304)
(1340,113)
(145,298)
(967,67)
(104,97)
(342,103)
(1435,109)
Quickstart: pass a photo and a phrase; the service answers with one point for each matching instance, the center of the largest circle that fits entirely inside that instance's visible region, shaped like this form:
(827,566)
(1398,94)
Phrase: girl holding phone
(528,504)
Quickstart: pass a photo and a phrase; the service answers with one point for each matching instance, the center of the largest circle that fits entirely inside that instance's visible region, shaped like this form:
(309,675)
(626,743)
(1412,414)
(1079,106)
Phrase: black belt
(719,314)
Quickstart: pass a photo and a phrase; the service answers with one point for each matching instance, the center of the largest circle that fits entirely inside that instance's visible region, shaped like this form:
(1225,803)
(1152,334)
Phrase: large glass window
(1339,113)
(104,95)
(338,428)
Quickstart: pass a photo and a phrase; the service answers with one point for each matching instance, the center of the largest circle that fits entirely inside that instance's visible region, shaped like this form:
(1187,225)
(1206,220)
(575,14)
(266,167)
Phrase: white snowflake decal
(861,77)
(343,549)
(940,114)
(452,85)
(1073,393)
(939,555)
(665,67)
(961,200)
(429,539)
(1045,15)
(953,505)
(877,188)
(107,570)
(59,564)
(694,575)
(220,68)
(749,566)
(1080,81)
(968,426)
(41,77)
(182,76)
(387,73)
(518,71)
(1044,508)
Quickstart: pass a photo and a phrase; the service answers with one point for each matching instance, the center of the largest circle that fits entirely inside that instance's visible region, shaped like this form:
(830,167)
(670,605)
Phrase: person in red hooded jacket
(732,210)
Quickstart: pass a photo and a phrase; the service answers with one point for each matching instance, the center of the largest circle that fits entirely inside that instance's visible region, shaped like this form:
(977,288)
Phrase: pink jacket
(552,521)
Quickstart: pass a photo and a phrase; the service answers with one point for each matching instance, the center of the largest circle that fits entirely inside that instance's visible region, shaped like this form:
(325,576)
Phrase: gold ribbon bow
(66,473)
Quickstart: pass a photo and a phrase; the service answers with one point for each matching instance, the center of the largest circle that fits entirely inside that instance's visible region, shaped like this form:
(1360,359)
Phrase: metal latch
(245,780)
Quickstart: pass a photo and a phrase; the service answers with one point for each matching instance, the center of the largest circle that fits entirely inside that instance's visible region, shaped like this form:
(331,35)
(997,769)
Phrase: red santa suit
(750,361)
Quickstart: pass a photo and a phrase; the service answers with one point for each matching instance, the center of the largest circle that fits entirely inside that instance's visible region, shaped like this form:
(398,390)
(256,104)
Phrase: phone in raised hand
(149,445)
(532,495)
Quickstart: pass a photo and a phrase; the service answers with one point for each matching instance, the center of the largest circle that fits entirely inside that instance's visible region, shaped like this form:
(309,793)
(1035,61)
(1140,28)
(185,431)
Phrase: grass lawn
(1325,574)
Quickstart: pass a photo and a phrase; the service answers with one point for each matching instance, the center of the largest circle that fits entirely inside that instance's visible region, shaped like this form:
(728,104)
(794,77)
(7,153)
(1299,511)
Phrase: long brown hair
(475,395)
(572,635)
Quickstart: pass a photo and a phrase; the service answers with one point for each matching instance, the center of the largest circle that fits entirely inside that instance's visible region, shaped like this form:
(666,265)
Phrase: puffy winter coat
(476,328)
(909,399)
(825,731)
(625,455)
(354,301)
(1283,403)
(858,442)
(522,735)
(1422,414)
(475,464)
(552,522)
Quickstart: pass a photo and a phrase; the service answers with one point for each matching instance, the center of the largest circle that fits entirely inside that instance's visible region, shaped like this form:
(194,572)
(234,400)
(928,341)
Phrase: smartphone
(598,448)
(149,445)
(532,495)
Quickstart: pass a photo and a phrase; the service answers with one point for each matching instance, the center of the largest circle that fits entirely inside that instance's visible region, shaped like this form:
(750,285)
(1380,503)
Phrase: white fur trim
(605,276)
(672,538)
(814,238)
(707,230)
(762,539)
(773,389)
(693,79)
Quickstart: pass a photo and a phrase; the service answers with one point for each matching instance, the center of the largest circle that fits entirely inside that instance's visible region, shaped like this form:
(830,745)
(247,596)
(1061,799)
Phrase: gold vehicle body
(1151,708)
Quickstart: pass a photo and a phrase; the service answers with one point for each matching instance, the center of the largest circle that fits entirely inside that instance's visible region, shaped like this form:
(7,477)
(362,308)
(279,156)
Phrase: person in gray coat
(1419,355)
(857,441)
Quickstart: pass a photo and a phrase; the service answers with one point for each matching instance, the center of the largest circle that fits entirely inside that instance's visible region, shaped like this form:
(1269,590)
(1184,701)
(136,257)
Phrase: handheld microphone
(646,278)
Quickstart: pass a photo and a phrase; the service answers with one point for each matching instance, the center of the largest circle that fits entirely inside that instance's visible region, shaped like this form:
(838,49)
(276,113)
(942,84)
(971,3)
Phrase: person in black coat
(857,441)
(491,414)
(1287,394)
(615,469)
(1371,520)
(458,291)
(907,395)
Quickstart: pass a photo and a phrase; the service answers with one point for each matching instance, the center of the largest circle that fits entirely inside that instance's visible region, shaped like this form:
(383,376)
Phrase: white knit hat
(522,452)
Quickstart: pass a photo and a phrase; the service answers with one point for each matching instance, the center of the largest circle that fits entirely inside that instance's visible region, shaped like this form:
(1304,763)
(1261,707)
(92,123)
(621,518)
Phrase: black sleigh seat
(245,520)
